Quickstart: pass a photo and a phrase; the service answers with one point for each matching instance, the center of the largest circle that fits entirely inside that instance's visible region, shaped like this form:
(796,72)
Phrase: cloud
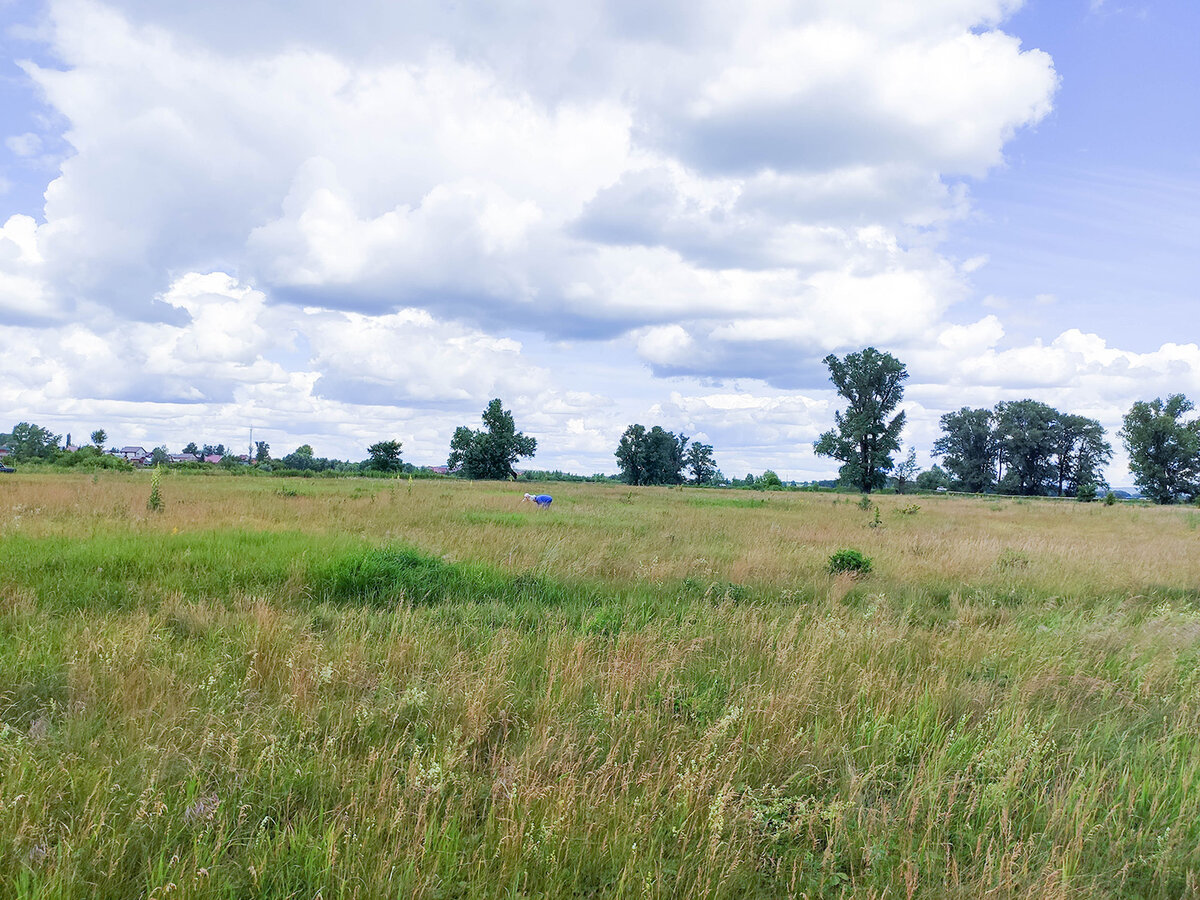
(27,144)
(342,222)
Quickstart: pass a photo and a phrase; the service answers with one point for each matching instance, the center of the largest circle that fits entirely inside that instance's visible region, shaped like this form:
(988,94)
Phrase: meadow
(384,688)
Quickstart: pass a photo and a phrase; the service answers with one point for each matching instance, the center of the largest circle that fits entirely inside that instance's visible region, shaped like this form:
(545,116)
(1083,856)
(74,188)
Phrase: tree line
(1021,447)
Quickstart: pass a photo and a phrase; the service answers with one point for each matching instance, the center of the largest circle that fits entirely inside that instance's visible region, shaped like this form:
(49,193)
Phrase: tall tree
(873,383)
(968,450)
(1025,435)
(1079,451)
(385,456)
(99,436)
(29,441)
(492,452)
(631,454)
(262,452)
(1164,450)
(192,449)
(300,458)
(656,456)
(699,458)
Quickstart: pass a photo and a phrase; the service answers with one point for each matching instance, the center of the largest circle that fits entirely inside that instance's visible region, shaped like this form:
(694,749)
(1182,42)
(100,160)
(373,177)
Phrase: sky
(343,223)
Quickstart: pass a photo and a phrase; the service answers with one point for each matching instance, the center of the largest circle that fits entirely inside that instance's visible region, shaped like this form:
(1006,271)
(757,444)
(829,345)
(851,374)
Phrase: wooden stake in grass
(155,503)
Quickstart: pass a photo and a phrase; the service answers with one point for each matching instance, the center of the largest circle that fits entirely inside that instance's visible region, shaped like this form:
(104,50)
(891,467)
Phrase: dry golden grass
(1006,707)
(653,534)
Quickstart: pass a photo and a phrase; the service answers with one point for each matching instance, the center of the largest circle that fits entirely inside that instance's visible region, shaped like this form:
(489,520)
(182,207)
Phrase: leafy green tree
(159,455)
(99,436)
(214,450)
(301,458)
(968,449)
(262,452)
(904,471)
(29,442)
(770,481)
(192,449)
(631,458)
(492,452)
(699,458)
(1079,451)
(1164,450)
(385,456)
(864,439)
(656,456)
(1025,436)
(933,478)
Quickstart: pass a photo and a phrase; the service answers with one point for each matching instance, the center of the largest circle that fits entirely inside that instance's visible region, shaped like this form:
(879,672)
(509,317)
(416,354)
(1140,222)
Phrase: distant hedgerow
(852,561)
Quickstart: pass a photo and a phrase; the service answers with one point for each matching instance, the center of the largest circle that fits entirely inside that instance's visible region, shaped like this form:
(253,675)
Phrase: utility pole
(250,457)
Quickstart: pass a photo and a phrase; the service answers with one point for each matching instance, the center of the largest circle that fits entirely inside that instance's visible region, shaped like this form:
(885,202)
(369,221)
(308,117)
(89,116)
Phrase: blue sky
(342,225)
(1096,207)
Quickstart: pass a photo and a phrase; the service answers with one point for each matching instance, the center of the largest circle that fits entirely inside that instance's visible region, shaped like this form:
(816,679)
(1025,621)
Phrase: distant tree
(932,479)
(968,449)
(631,454)
(211,450)
(99,436)
(699,458)
(864,439)
(29,442)
(656,456)
(904,471)
(1164,450)
(159,455)
(262,452)
(1025,438)
(385,456)
(301,458)
(492,452)
(192,449)
(1079,451)
(770,481)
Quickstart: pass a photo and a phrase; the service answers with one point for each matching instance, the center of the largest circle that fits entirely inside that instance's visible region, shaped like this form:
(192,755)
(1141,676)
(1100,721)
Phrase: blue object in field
(543,500)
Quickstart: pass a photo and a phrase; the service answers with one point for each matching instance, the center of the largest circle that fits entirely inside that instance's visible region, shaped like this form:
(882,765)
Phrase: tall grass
(410,693)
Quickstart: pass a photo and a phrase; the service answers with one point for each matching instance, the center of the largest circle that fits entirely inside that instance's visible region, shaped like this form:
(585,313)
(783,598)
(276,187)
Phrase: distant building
(136,455)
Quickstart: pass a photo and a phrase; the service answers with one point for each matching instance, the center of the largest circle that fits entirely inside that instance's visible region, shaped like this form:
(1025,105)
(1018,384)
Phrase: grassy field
(348,688)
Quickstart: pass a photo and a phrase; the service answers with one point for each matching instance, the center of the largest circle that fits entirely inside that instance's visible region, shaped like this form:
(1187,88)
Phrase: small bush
(910,510)
(864,503)
(1110,498)
(852,561)
(1086,493)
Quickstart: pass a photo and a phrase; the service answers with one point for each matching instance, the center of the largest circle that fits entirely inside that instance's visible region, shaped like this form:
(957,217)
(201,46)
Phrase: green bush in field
(1110,498)
(852,561)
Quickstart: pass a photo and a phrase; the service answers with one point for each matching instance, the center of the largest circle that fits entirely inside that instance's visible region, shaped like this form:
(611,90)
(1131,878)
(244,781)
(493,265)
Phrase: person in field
(542,500)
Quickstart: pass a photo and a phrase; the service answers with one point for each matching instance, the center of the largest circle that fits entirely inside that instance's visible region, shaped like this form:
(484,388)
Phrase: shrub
(1110,498)
(864,502)
(1086,493)
(852,561)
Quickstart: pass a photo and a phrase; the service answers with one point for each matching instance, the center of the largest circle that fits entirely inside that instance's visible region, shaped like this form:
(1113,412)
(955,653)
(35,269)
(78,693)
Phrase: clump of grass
(849,561)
